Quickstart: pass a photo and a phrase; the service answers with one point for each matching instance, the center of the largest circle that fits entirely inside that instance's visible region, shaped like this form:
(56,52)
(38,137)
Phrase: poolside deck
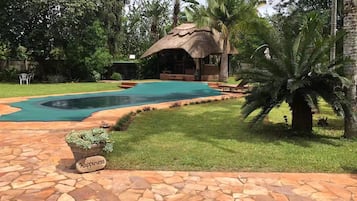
(35,163)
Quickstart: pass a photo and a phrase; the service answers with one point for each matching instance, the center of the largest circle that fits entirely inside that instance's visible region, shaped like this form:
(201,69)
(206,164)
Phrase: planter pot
(80,153)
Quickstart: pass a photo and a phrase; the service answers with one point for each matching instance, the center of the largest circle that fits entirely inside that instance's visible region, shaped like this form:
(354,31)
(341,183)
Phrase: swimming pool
(79,107)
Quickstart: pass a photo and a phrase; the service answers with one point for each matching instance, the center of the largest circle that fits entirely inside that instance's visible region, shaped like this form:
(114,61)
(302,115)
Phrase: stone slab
(91,164)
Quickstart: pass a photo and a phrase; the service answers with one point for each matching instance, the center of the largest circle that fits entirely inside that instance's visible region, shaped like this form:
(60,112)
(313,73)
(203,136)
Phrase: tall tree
(111,14)
(222,15)
(155,14)
(177,15)
(42,25)
(350,50)
(297,71)
(333,27)
(88,55)
(145,22)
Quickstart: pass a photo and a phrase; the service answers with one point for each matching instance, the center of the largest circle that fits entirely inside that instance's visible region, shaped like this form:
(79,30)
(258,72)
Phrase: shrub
(56,78)
(146,109)
(9,74)
(116,76)
(85,139)
(123,123)
(96,76)
(176,104)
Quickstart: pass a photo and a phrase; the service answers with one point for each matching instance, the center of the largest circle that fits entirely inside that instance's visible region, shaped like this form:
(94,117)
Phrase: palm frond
(311,100)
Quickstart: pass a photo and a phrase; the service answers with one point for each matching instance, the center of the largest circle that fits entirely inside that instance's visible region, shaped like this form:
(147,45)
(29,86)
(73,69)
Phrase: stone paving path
(35,161)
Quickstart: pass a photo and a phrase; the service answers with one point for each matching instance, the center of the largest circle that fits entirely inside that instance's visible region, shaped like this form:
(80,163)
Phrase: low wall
(184,77)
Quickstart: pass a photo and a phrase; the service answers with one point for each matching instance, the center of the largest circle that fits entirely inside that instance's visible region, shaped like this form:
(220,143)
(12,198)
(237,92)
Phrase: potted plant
(89,143)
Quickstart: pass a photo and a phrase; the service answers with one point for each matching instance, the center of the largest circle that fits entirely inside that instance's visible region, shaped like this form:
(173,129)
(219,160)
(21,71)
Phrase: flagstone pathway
(35,161)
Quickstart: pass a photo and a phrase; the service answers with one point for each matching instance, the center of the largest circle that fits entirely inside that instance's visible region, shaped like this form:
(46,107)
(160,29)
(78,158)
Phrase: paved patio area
(35,160)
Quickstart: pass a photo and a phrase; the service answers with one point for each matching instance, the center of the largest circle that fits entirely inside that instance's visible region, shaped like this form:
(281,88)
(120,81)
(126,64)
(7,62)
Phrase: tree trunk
(350,50)
(223,72)
(333,28)
(301,114)
(176,13)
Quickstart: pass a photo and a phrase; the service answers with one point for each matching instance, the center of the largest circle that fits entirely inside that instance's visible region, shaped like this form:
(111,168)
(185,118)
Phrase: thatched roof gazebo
(198,43)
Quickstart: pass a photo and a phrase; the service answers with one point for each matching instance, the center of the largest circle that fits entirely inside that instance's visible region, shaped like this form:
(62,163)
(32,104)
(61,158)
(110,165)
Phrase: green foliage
(9,75)
(306,5)
(41,25)
(89,53)
(297,65)
(83,35)
(291,8)
(116,76)
(99,60)
(111,14)
(21,52)
(4,51)
(143,25)
(56,78)
(85,139)
(57,53)
(155,13)
(147,68)
(123,123)
(96,76)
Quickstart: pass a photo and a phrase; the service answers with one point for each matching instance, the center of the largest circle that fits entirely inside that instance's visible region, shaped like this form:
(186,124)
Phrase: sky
(267,9)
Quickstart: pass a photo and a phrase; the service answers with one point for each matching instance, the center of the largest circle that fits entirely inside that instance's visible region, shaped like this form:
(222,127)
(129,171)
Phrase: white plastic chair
(30,76)
(24,77)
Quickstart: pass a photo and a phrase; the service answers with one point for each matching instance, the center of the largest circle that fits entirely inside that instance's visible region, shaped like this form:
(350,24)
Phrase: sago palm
(297,71)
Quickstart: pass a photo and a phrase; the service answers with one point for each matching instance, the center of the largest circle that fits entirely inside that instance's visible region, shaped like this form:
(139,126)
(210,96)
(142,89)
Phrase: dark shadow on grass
(352,170)
(280,133)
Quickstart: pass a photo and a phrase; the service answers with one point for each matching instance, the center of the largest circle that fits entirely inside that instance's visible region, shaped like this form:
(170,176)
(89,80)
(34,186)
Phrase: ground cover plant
(213,136)
(16,90)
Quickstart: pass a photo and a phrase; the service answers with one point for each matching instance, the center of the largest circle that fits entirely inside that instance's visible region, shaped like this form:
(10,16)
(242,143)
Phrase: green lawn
(16,90)
(214,137)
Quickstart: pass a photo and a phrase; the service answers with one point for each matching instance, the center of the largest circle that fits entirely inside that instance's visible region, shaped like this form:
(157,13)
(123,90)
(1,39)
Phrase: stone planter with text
(88,143)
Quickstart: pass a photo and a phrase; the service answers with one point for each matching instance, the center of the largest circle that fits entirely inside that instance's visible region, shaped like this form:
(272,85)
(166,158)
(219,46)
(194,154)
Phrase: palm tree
(350,50)
(156,14)
(177,10)
(176,13)
(222,15)
(333,27)
(298,71)
(111,15)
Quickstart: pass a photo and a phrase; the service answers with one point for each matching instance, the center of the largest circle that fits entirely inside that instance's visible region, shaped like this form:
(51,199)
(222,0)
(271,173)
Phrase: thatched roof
(197,42)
